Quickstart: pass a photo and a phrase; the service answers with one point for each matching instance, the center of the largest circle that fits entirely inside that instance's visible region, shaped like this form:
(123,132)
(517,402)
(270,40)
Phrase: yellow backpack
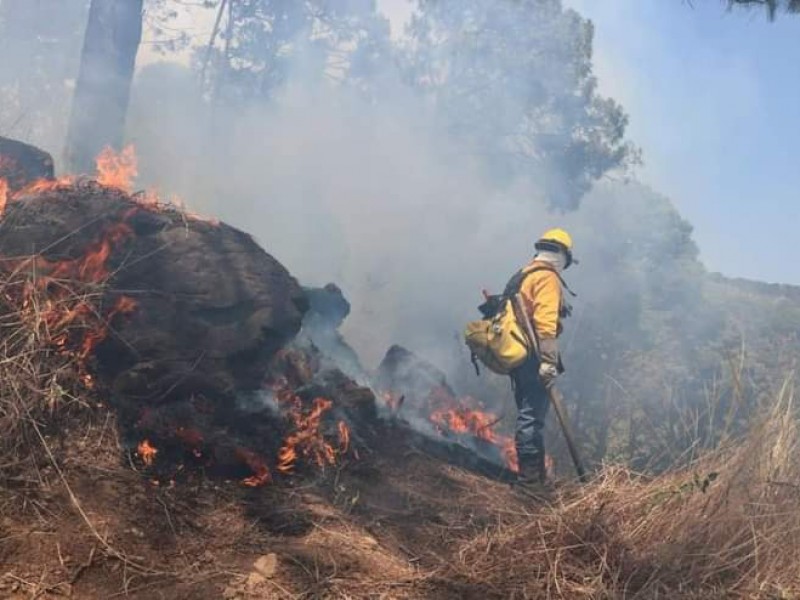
(498,340)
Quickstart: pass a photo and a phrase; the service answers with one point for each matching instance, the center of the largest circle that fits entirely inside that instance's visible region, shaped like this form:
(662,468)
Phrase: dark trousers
(532,405)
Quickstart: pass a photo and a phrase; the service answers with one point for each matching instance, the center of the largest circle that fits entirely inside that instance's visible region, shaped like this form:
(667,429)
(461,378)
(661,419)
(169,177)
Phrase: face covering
(557,259)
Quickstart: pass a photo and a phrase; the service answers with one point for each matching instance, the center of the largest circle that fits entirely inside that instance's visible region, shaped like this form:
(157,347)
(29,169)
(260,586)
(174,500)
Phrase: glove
(548,351)
(548,373)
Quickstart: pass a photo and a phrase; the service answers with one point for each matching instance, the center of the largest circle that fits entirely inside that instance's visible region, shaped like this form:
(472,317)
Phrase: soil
(380,526)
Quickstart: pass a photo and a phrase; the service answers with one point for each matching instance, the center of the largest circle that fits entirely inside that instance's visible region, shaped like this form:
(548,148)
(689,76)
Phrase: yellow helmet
(556,239)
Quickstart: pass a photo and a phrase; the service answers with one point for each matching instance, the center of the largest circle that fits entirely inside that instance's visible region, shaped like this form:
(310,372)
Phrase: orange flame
(117,169)
(393,402)
(307,440)
(74,325)
(344,437)
(147,452)
(457,417)
(261,474)
(45,185)
(3,196)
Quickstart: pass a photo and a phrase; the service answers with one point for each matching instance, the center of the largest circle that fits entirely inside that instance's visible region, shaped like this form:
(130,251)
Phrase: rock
(267,565)
(254,579)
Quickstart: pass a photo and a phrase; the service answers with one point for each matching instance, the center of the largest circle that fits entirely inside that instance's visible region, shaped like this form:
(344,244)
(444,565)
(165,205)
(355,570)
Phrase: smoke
(375,190)
(370,196)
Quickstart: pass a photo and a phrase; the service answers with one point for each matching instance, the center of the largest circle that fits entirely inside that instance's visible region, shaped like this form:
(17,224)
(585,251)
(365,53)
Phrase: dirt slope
(385,524)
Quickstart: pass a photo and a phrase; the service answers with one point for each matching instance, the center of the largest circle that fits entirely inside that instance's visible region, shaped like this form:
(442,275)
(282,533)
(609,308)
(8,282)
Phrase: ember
(3,196)
(344,437)
(261,474)
(147,452)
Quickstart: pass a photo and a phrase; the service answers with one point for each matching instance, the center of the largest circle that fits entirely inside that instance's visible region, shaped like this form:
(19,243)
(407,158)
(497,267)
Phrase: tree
(100,103)
(514,80)
(772,6)
(263,40)
(40,43)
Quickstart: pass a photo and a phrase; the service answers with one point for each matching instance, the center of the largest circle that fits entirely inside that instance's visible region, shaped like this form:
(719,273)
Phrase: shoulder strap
(515,283)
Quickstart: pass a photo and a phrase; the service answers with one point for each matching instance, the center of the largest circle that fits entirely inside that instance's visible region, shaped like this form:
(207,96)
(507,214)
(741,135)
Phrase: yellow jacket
(541,294)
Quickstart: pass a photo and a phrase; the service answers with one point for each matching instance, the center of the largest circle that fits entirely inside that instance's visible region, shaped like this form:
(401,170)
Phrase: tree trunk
(101,97)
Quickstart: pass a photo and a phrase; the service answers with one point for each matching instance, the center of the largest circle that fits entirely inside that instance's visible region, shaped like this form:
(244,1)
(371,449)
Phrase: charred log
(212,306)
(412,378)
(328,308)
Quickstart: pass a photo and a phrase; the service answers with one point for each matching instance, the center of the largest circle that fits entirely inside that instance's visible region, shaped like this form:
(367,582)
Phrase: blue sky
(714,103)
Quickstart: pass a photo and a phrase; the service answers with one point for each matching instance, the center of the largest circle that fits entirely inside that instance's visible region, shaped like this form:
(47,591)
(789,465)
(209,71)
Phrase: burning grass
(45,340)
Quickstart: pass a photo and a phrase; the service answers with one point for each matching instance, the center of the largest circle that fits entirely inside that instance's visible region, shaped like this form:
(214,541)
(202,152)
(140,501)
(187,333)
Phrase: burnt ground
(384,525)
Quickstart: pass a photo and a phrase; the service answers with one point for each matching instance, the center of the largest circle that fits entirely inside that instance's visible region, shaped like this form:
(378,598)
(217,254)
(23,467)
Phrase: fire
(3,196)
(117,170)
(147,452)
(307,440)
(69,316)
(393,402)
(456,415)
(45,185)
(261,474)
(344,437)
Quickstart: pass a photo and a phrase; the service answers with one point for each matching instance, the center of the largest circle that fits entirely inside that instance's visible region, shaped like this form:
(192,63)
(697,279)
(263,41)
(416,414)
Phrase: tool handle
(558,406)
(553,394)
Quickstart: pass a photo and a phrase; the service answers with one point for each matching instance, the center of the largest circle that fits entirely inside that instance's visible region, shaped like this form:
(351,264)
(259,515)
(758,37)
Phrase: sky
(712,97)
(713,101)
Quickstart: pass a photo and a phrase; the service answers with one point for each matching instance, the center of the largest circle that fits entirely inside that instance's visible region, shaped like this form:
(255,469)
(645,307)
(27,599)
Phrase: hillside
(164,437)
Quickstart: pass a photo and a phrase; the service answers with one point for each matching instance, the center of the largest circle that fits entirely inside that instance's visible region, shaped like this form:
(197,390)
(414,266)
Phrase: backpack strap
(515,283)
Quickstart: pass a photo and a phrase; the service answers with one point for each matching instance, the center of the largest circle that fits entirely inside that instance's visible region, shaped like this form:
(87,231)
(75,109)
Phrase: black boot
(531,479)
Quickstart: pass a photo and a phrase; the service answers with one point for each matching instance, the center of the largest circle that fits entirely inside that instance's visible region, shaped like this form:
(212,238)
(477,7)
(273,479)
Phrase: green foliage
(262,40)
(664,359)
(772,6)
(514,81)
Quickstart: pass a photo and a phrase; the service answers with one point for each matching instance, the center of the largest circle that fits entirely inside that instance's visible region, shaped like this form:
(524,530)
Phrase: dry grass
(42,388)
(727,526)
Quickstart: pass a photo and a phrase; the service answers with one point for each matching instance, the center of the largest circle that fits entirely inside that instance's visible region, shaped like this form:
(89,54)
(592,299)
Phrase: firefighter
(542,297)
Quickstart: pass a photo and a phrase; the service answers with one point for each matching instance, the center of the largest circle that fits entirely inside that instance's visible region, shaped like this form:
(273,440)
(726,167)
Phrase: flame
(44,185)
(307,440)
(147,452)
(394,402)
(70,320)
(344,437)
(452,415)
(124,305)
(117,169)
(3,196)
(261,474)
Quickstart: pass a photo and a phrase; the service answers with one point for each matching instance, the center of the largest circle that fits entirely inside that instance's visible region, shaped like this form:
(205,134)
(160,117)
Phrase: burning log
(403,374)
(212,307)
(185,322)
(464,432)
